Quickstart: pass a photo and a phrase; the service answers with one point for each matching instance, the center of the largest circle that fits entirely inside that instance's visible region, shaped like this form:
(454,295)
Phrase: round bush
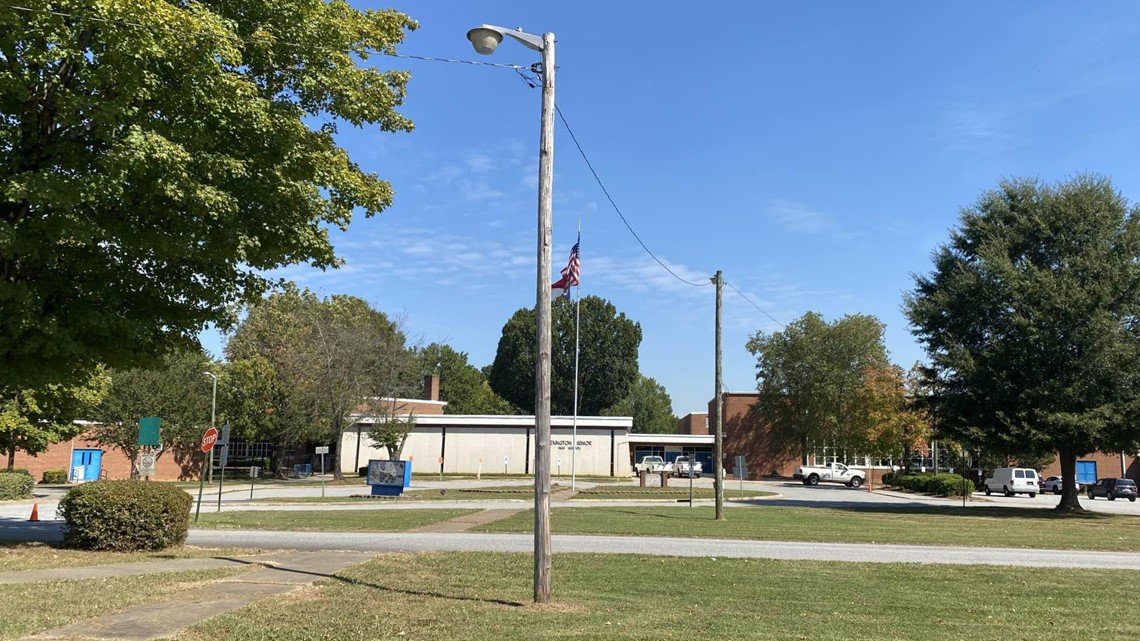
(55,477)
(16,485)
(125,515)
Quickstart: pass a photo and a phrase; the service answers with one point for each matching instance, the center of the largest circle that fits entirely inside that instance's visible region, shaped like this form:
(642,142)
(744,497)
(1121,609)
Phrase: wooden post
(542,554)
(718,455)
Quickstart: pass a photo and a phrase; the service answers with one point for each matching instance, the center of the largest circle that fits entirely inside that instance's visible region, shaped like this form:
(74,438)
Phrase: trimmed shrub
(912,482)
(948,485)
(16,485)
(937,484)
(888,478)
(55,477)
(125,516)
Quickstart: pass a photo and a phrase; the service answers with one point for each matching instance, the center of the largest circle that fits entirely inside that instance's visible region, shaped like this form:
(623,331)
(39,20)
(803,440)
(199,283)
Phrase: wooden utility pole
(718,454)
(542,555)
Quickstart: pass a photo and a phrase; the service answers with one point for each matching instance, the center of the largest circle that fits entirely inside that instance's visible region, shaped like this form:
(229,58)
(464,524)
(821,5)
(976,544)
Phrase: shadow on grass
(269,565)
(425,593)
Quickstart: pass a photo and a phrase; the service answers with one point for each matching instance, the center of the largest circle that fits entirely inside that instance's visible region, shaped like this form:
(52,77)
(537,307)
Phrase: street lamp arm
(528,40)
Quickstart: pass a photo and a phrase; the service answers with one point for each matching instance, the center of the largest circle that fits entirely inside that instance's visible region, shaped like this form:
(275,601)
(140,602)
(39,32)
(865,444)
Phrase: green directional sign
(148,430)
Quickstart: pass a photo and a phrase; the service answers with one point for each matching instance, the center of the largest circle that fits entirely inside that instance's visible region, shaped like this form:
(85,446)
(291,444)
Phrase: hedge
(125,515)
(16,485)
(55,477)
(938,484)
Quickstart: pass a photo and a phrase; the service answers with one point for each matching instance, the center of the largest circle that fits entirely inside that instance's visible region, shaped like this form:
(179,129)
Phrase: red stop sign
(209,438)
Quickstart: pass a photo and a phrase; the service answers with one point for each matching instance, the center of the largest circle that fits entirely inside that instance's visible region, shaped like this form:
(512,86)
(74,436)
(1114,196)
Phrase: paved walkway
(278,575)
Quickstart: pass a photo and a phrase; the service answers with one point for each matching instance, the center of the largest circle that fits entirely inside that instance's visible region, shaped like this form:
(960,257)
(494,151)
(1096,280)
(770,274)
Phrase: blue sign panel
(389,478)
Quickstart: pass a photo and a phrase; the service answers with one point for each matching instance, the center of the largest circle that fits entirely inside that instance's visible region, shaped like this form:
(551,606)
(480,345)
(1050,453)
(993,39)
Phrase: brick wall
(1107,466)
(694,423)
(171,465)
(745,435)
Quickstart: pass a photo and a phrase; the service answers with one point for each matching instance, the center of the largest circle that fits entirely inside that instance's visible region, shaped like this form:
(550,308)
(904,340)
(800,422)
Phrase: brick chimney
(431,388)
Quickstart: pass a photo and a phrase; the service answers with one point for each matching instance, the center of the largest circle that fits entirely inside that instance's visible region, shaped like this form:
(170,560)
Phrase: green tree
(31,421)
(176,390)
(649,405)
(888,418)
(809,375)
(332,360)
(1030,320)
(461,384)
(607,363)
(157,158)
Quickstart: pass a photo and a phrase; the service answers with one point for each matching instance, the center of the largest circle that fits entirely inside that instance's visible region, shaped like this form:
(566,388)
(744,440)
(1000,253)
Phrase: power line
(530,81)
(761,310)
(234,37)
(615,205)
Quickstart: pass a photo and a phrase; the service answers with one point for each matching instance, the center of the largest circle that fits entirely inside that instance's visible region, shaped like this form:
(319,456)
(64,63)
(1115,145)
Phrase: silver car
(1053,484)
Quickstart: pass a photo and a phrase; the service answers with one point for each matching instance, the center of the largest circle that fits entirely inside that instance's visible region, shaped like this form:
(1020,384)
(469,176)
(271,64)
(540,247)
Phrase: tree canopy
(176,389)
(156,158)
(607,366)
(32,420)
(318,363)
(649,405)
(462,385)
(809,376)
(1030,319)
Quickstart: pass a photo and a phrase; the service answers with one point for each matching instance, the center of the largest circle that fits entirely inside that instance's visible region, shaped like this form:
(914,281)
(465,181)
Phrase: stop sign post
(208,441)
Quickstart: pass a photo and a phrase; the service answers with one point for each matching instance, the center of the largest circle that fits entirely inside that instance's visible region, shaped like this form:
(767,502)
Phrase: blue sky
(815,152)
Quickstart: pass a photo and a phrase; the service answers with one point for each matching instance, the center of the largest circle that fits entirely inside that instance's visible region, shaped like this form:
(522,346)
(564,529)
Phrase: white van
(1013,480)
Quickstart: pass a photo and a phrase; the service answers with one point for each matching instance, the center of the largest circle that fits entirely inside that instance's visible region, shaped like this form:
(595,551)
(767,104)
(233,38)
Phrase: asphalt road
(660,546)
(14,526)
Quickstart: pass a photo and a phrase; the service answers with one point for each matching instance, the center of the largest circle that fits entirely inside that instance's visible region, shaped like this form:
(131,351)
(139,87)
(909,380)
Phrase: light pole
(207,464)
(213,414)
(485,38)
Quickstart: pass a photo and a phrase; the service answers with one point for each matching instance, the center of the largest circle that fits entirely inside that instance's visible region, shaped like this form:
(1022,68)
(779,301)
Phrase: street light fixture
(485,38)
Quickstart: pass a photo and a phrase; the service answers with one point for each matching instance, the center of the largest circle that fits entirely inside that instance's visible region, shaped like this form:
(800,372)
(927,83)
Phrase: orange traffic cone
(35,512)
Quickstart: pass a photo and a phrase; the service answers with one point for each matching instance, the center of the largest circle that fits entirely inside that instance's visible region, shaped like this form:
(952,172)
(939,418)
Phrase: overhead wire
(530,81)
(176,30)
(760,309)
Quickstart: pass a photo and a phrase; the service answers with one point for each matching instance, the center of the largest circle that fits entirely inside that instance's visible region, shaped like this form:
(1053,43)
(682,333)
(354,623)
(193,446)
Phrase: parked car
(1053,484)
(1113,488)
(833,473)
(1012,480)
(683,466)
(652,464)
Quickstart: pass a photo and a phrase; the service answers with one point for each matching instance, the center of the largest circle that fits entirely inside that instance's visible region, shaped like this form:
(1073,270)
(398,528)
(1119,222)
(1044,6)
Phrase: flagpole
(577,335)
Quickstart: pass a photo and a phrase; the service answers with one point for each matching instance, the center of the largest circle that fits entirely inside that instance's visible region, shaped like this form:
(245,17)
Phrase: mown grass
(15,557)
(484,596)
(679,492)
(985,526)
(328,520)
(28,608)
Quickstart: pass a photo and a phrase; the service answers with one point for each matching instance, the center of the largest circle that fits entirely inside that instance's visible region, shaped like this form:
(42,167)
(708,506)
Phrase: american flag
(570,273)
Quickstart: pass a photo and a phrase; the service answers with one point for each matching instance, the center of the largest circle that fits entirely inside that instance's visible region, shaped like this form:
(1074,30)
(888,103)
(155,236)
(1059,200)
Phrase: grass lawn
(15,557)
(27,608)
(987,526)
(676,492)
(327,520)
(476,597)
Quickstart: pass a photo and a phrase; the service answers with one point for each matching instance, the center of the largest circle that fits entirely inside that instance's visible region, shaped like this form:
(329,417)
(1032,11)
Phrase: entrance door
(85,465)
(1086,472)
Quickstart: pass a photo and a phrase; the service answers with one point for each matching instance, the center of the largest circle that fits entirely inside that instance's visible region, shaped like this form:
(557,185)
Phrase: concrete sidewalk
(278,574)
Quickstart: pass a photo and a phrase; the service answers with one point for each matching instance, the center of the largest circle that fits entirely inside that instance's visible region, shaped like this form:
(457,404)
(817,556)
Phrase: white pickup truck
(652,464)
(683,464)
(833,473)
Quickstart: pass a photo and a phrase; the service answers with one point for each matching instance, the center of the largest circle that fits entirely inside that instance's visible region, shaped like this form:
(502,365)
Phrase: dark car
(1112,488)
